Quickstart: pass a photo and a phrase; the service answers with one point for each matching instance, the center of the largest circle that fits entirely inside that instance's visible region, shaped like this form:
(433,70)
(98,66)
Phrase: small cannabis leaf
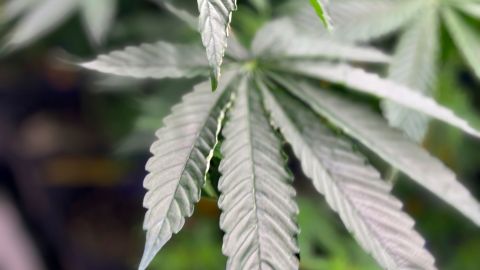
(38,18)
(215,17)
(183,15)
(278,88)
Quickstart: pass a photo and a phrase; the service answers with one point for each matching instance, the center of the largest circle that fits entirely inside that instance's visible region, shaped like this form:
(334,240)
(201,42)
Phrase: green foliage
(258,214)
(288,87)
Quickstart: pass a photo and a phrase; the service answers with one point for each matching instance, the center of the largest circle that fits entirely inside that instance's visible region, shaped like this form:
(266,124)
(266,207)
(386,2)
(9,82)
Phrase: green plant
(289,87)
(270,92)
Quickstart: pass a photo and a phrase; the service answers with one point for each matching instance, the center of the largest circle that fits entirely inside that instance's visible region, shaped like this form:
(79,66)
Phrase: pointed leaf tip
(148,256)
(214,24)
(322,14)
(214,80)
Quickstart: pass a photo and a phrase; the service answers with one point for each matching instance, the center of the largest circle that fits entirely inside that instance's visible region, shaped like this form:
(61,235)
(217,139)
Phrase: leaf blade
(466,39)
(258,209)
(470,8)
(390,145)
(97,18)
(369,83)
(281,39)
(154,60)
(181,156)
(414,65)
(351,187)
(40,19)
(354,22)
(214,21)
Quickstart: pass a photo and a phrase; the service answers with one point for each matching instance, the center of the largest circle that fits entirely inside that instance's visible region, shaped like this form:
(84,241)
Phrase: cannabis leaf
(98,17)
(180,161)
(183,15)
(414,65)
(275,39)
(351,187)
(362,81)
(278,88)
(215,16)
(389,144)
(38,17)
(158,60)
(257,201)
(469,7)
(354,22)
(466,38)
(364,20)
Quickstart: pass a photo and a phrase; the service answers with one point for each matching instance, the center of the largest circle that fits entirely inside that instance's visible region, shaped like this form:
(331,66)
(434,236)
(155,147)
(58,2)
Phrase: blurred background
(73,147)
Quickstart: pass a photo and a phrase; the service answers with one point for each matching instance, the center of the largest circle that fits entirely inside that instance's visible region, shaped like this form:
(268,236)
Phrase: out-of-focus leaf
(98,16)
(466,38)
(15,8)
(364,20)
(470,7)
(414,65)
(280,39)
(40,19)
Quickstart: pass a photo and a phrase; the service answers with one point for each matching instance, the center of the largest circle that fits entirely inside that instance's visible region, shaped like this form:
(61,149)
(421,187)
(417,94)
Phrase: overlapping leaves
(37,18)
(180,162)
(351,187)
(258,208)
(416,53)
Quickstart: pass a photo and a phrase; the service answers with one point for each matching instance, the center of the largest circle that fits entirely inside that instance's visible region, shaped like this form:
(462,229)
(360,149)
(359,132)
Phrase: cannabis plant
(288,88)
(291,86)
(416,54)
